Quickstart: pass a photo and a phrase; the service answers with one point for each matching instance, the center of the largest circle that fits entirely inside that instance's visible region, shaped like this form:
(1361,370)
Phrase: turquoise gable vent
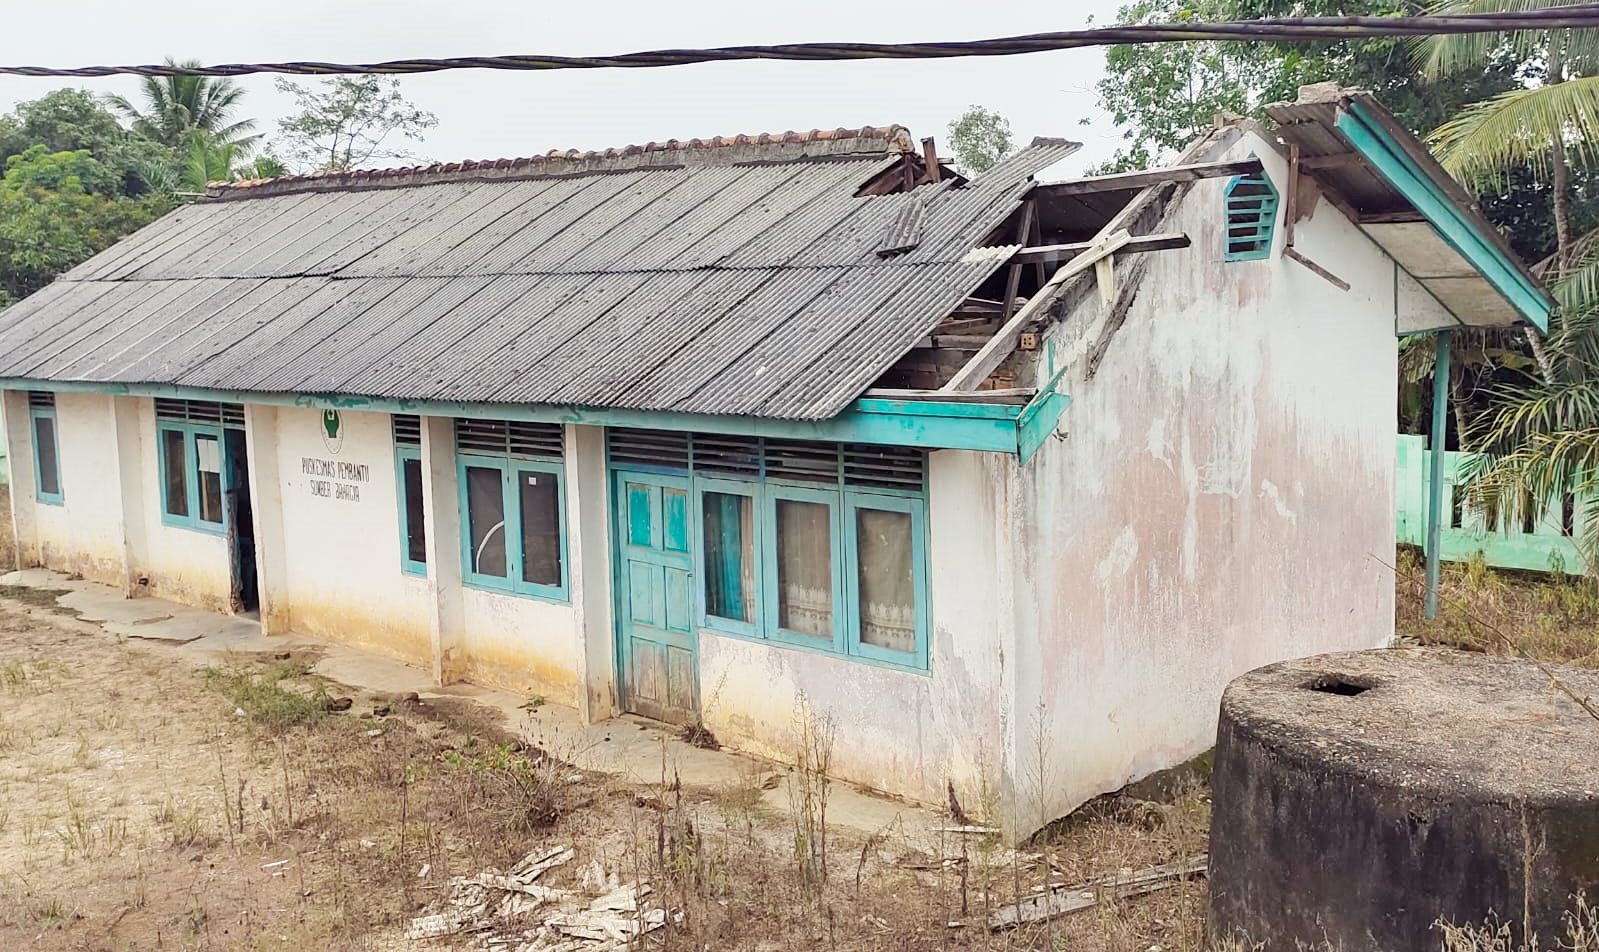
(1251,216)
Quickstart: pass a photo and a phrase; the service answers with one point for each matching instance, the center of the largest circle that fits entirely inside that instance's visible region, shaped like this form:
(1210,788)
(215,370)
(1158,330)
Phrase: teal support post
(1435,496)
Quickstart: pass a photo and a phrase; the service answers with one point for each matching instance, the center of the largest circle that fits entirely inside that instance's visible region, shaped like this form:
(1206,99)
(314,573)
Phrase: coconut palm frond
(176,106)
(1522,416)
(1578,291)
(1442,55)
(1515,128)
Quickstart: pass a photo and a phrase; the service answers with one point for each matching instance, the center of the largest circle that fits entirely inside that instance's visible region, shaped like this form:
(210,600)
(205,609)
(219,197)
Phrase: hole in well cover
(1339,684)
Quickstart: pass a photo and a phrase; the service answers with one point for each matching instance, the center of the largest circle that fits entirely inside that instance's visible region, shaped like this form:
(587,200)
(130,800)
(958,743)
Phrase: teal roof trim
(1455,227)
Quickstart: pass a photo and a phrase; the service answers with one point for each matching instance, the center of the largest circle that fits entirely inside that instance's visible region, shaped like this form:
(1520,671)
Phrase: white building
(1006,478)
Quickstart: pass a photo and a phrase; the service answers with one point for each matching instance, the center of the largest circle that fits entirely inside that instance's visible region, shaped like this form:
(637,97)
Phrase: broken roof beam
(1058,253)
(1141,179)
(999,347)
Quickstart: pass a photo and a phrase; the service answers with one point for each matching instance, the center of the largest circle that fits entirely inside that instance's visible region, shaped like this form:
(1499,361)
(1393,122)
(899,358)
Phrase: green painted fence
(1539,539)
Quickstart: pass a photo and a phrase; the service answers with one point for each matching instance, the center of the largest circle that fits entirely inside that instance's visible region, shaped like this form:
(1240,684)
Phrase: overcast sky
(485,115)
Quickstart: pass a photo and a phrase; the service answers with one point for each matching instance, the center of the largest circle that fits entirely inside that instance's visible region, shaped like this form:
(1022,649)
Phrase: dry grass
(147,802)
(1581,934)
(1553,618)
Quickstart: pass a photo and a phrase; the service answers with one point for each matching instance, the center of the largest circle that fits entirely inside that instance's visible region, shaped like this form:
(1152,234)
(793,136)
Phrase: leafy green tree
(349,121)
(69,120)
(1163,94)
(176,107)
(57,209)
(980,138)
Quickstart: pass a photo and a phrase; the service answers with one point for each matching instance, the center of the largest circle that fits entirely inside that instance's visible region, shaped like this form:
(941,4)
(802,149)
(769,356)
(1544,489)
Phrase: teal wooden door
(655,597)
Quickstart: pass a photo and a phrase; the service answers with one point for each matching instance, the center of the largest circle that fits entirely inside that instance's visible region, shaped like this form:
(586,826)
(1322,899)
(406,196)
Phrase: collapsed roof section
(1069,236)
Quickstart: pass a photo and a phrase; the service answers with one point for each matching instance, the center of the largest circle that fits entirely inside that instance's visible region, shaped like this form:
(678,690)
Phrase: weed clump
(260,693)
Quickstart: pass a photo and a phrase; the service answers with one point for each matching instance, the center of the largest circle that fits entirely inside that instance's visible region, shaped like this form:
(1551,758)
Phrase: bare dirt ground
(151,801)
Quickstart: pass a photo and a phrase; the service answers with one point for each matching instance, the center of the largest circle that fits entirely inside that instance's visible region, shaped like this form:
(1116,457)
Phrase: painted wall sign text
(336,478)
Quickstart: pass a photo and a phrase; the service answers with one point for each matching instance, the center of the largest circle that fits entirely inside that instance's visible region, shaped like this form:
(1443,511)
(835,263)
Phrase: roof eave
(1440,200)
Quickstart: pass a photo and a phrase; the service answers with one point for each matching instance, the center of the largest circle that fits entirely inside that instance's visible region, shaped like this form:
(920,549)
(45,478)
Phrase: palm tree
(177,106)
(1539,437)
(1532,126)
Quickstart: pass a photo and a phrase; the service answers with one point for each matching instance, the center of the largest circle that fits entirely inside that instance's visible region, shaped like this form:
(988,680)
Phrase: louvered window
(511,438)
(860,465)
(407,430)
(648,449)
(1251,202)
(200,411)
(513,506)
(805,542)
(41,400)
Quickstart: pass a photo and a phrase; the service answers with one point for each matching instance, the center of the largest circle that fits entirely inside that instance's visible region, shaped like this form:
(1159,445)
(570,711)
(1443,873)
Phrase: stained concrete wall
(1222,498)
(172,562)
(343,580)
(83,535)
(108,526)
(900,731)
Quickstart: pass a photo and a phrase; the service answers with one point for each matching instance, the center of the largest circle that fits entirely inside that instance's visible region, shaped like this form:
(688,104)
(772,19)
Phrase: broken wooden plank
(1146,177)
(1013,279)
(1065,900)
(1005,395)
(1316,269)
(1399,216)
(1065,252)
(987,360)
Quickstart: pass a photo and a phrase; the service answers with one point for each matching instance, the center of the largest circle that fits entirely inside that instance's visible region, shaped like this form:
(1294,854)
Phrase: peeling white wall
(1222,499)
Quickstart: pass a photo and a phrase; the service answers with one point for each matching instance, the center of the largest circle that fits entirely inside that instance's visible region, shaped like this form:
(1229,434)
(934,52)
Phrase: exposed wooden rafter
(1058,253)
(1112,237)
(1143,178)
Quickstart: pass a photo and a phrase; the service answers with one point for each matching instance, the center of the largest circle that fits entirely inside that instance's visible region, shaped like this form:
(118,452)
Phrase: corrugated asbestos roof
(735,276)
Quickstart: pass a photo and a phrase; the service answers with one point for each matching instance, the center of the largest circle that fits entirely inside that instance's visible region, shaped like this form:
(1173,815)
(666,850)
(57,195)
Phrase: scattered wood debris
(1065,900)
(603,915)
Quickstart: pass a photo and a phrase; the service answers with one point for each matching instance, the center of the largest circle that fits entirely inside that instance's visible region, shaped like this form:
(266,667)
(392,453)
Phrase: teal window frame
(191,433)
(916,508)
(510,467)
(843,504)
(703,569)
(57,498)
(778,492)
(1265,231)
(403,453)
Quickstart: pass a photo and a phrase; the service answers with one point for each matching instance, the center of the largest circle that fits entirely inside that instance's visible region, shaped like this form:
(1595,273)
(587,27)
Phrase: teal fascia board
(1038,421)
(1378,147)
(926,424)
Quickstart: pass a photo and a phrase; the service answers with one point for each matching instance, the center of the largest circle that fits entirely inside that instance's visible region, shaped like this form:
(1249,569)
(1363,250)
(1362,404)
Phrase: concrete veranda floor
(633,747)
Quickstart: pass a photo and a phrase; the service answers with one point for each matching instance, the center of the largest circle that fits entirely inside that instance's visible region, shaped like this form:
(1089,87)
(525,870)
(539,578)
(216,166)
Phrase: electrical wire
(1280,29)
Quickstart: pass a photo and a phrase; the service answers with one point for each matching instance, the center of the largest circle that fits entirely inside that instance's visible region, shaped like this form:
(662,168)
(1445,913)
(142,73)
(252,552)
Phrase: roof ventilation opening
(1251,216)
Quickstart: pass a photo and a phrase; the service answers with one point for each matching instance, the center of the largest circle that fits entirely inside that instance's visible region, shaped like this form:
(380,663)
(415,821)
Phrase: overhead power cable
(1578,16)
